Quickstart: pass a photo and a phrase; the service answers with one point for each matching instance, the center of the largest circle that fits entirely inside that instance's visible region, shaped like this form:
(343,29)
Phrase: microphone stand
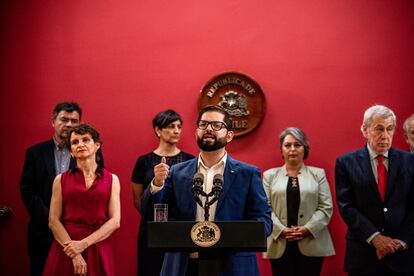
(206,209)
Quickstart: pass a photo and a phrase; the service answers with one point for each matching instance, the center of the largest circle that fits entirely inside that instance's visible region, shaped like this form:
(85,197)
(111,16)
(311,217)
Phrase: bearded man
(243,196)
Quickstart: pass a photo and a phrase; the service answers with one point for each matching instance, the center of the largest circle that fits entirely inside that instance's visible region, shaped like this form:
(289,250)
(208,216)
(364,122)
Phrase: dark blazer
(36,190)
(243,198)
(364,212)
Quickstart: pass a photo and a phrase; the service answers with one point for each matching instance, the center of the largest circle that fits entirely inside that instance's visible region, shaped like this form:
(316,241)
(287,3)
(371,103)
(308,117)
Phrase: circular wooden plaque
(240,95)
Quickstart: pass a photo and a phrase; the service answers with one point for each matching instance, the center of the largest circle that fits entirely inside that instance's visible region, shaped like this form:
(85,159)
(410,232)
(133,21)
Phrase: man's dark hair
(217,108)
(68,107)
(164,118)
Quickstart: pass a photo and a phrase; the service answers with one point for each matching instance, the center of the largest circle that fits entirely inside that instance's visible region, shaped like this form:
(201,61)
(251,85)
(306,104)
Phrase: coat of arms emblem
(205,233)
(241,97)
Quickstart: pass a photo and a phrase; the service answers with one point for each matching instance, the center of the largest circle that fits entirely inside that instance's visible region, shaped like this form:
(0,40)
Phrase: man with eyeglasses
(243,197)
(42,163)
(375,196)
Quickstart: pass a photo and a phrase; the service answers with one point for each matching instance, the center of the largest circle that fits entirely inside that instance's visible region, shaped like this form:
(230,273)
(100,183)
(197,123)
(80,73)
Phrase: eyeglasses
(215,125)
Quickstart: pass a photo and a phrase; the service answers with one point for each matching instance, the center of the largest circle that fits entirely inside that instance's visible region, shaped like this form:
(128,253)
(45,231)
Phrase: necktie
(382,176)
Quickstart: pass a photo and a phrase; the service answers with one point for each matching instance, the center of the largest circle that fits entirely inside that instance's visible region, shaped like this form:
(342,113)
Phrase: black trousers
(192,267)
(294,263)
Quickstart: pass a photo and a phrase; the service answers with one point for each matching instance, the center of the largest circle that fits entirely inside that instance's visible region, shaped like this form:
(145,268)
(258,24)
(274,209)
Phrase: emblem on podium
(205,233)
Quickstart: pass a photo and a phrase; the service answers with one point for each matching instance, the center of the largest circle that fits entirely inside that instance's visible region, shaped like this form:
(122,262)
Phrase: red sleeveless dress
(83,212)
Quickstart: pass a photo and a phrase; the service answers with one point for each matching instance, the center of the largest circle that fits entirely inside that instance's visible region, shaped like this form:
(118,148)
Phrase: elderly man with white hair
(375,196)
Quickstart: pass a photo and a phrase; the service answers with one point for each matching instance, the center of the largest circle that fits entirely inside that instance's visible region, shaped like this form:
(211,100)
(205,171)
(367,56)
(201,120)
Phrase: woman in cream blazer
(301,210)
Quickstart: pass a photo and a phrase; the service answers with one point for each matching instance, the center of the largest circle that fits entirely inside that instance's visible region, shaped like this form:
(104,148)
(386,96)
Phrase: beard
(208,146)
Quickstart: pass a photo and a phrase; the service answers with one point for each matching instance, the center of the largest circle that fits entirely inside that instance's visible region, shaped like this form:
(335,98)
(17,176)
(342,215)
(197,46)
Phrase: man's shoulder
(403,155)
(41,146)
(353,154)
(242,165)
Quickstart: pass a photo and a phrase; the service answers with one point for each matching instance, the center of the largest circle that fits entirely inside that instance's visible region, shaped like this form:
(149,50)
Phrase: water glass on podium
(160,212)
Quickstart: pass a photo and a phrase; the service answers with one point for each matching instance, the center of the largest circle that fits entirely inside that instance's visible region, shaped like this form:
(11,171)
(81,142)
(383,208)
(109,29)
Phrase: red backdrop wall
(320,64)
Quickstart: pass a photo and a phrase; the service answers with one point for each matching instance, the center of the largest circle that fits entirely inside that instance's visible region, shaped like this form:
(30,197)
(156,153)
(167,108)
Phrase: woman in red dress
(84,211)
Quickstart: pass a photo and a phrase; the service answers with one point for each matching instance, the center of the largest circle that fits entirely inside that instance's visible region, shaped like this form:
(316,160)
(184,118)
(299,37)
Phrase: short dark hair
(68,107)
(83,129)
(299,135)
(217,108)
(164,118)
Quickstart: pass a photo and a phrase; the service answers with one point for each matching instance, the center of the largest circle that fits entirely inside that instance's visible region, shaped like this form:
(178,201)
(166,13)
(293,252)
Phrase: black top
(143,172)
(292,201)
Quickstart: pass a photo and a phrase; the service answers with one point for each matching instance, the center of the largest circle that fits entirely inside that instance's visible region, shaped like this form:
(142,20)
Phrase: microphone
(217,188)
(197,188)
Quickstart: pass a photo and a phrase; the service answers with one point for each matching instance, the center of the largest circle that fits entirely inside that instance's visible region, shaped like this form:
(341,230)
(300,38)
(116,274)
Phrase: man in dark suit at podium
(375,196)
(243,197)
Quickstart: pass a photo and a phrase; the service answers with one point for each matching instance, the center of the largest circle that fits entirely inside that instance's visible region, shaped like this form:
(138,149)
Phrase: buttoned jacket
(364,212)
(315,211)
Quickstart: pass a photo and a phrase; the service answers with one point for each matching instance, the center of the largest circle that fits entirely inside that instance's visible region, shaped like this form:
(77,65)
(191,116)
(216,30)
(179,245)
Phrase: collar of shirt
(373,155)
(222,162)
(285,172)
(99,171)
(59,146)
(208,174)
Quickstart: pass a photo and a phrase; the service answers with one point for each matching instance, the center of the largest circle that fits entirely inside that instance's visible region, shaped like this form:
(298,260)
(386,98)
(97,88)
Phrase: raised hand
(161,172)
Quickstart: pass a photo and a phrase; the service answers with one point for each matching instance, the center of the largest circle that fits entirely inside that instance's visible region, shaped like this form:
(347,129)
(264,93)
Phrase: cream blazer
(315,211)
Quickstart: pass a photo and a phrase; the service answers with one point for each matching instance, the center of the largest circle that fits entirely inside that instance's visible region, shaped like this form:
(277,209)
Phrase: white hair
(406,122)
(377,110)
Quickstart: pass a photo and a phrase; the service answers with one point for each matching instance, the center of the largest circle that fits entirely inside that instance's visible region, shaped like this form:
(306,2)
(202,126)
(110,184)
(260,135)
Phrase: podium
(246,236)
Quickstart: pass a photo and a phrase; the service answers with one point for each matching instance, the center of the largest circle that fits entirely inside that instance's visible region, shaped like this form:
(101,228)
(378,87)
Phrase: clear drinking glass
(160,212)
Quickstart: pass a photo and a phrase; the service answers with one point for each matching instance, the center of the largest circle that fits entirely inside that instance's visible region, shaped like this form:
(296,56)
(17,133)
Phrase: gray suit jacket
(315,211)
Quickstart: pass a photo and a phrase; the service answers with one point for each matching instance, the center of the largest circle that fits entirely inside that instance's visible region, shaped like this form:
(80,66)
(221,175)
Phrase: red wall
(320,64)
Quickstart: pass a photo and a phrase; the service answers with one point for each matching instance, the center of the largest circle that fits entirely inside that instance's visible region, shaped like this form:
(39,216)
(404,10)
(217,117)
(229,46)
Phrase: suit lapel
(49,158)
(304,182)
(192,167)
(230,172)
(393,165)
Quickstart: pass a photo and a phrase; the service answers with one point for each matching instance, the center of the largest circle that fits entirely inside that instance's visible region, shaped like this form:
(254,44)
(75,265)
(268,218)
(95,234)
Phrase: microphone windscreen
(198,178)
(218,178)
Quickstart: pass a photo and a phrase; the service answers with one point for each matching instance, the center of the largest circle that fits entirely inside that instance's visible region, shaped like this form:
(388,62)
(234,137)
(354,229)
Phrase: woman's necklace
(89,180)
